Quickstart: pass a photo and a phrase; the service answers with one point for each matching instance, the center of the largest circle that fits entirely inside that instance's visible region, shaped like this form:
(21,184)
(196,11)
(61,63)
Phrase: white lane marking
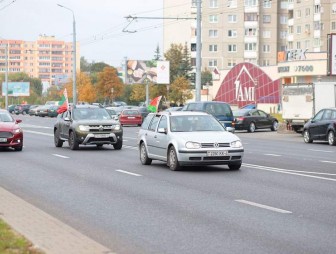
(126,172)
(271,154)
(41,133)
(291,172)
(131,147)
(131,137)
(323,151)
(329,161)
(35,126)
(61,156)
(274,209)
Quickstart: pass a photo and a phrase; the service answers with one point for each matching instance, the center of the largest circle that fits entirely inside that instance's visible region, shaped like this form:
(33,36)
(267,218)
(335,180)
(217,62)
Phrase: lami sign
(246,84)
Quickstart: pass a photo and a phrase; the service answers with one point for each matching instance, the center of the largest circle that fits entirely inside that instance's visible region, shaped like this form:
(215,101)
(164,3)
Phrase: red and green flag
(154,104)
(63,103)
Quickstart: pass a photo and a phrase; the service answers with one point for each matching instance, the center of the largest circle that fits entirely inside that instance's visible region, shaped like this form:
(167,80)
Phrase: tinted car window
(262,113)
(327,114)
(333,115)
(218,109)
(163,122)
(319,115)
(147,121)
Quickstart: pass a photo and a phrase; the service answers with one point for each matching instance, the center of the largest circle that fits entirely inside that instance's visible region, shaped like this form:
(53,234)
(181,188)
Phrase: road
(283,200)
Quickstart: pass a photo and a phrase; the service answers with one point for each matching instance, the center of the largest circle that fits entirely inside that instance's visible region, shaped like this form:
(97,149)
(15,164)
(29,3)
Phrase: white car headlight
(84,128)
(236,144)
(17,130)
(116,127)
(192,145)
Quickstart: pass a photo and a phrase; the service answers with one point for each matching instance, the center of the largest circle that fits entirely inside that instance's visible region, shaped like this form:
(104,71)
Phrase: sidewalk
(44,231)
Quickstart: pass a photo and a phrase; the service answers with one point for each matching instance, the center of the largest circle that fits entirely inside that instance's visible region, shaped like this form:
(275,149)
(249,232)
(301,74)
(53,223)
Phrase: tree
(185,67)
(109,85)
(174,55)
(98,67)
(139,92)
(206,77)
(157,55)
(180,91)
(86,91)
(85,66)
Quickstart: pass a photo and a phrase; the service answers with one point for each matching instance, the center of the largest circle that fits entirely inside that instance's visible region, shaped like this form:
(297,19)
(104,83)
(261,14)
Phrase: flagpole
(147,93)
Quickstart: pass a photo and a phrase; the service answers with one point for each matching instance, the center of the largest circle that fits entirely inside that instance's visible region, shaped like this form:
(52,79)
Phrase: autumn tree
(180,91)
(139,92)
(109,85)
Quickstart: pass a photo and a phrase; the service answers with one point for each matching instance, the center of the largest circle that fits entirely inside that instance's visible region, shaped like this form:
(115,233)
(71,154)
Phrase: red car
(130,117)
(11,134)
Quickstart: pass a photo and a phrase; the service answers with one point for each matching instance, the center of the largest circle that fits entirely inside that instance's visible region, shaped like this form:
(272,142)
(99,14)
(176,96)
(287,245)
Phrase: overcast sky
(99,25)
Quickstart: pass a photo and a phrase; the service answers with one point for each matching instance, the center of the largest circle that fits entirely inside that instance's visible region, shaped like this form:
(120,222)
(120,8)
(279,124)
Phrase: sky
(99,26)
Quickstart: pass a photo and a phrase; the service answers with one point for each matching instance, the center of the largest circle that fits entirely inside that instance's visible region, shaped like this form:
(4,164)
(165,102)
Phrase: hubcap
(143,153)
(331,138)
(172,158)
(306,136)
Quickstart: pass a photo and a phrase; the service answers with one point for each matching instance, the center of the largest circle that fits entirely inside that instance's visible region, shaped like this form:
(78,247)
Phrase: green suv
(87,125)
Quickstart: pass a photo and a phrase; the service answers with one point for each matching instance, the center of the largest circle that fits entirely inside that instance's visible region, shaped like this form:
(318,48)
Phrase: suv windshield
(90,114)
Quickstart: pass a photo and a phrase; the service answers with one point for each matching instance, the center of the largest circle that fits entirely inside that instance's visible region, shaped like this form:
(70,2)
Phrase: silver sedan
(186,139)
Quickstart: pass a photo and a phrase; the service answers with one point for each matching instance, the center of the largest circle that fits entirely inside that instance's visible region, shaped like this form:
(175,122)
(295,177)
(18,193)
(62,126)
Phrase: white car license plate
(217,153)
(102,135)
(131,117)
(3,139)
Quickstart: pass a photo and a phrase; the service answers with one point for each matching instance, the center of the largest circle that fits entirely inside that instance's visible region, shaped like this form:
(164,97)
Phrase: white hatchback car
(184,138)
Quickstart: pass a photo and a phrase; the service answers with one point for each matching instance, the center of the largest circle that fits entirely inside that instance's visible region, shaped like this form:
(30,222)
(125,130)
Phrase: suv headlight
(84,128)
(192,145)
(236,144)
(116,127)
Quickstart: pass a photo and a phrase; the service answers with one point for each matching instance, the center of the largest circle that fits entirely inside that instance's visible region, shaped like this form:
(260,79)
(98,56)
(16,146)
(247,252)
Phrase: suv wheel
(144,156)
(173,163)
(58,142)
(118,145)
(331,138)
(73,143)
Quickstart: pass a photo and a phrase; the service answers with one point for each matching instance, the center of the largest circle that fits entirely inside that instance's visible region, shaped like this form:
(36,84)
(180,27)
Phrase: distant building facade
(47,58)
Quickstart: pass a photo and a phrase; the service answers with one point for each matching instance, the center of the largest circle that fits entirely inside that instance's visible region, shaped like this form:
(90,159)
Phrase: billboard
(141,72)
(332,54)
(16,89)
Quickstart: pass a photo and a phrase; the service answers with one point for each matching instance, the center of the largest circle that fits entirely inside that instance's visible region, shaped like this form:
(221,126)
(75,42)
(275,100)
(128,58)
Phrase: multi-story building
(235,31)
(47,58)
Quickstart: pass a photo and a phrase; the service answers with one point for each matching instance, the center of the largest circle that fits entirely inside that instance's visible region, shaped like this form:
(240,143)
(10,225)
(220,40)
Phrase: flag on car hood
(63,103)
(154,104)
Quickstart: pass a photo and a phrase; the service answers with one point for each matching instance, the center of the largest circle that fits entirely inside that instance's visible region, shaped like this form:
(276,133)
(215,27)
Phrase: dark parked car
(221,110)
(43,110)
(33,110)
(321,127)
(252,119)
(87,125)
(52,111)
(11,134)
(21,109)
(11,108)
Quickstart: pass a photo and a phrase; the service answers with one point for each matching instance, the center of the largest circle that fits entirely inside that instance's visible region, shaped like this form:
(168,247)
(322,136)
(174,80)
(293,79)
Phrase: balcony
(290,22)
(317,33)
(250,39)
(317,17)
(250,54)
(290,37)
(251,24)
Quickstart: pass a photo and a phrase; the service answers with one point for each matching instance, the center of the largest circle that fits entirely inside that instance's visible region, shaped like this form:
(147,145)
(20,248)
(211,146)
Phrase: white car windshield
(190,123)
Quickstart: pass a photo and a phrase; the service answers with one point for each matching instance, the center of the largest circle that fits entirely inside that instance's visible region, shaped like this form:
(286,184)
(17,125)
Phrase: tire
(144,156)
(73,143)
(118,145)
(331,138)
(306,137)
(251,127)
(58,142)
(275,126)
(18,148)
(234,166)
(172,160)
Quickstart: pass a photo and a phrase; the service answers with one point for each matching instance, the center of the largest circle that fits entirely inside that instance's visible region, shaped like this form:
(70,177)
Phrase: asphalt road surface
(283,200)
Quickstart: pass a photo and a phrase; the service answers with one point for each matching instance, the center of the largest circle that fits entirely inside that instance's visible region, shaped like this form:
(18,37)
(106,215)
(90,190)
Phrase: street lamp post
(6,76)
(74,90)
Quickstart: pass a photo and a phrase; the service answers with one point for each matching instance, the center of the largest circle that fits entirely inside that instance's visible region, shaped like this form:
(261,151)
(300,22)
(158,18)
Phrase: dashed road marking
(274,209)
(323,151)
(334,162)
(128,173)
(61,156)
(271,154)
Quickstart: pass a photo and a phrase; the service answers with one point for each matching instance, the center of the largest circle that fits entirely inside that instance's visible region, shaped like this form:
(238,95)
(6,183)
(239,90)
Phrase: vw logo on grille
(216,145)
(101,128)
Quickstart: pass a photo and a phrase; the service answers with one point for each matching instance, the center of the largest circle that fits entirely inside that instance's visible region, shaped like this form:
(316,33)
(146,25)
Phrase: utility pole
(198,52)
(6,75)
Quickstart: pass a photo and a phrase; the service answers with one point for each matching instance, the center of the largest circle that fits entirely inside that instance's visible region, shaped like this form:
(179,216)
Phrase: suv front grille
(100,127)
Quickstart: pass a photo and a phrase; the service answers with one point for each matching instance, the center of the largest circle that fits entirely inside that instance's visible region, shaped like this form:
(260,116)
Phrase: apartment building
(236,31)
(46,58)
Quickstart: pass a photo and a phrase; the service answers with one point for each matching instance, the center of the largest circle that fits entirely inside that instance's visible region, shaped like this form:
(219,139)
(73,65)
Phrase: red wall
(247,84)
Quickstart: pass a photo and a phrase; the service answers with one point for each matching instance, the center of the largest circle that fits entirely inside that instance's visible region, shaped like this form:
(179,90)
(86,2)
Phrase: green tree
(174,55)
(206,77)
(180,91)
(85,66)
(185,66)
(98,67)
(157,54)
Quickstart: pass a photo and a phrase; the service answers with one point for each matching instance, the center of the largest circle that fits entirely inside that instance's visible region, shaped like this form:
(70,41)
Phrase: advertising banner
(333,55)
(16,89)
(141,72)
